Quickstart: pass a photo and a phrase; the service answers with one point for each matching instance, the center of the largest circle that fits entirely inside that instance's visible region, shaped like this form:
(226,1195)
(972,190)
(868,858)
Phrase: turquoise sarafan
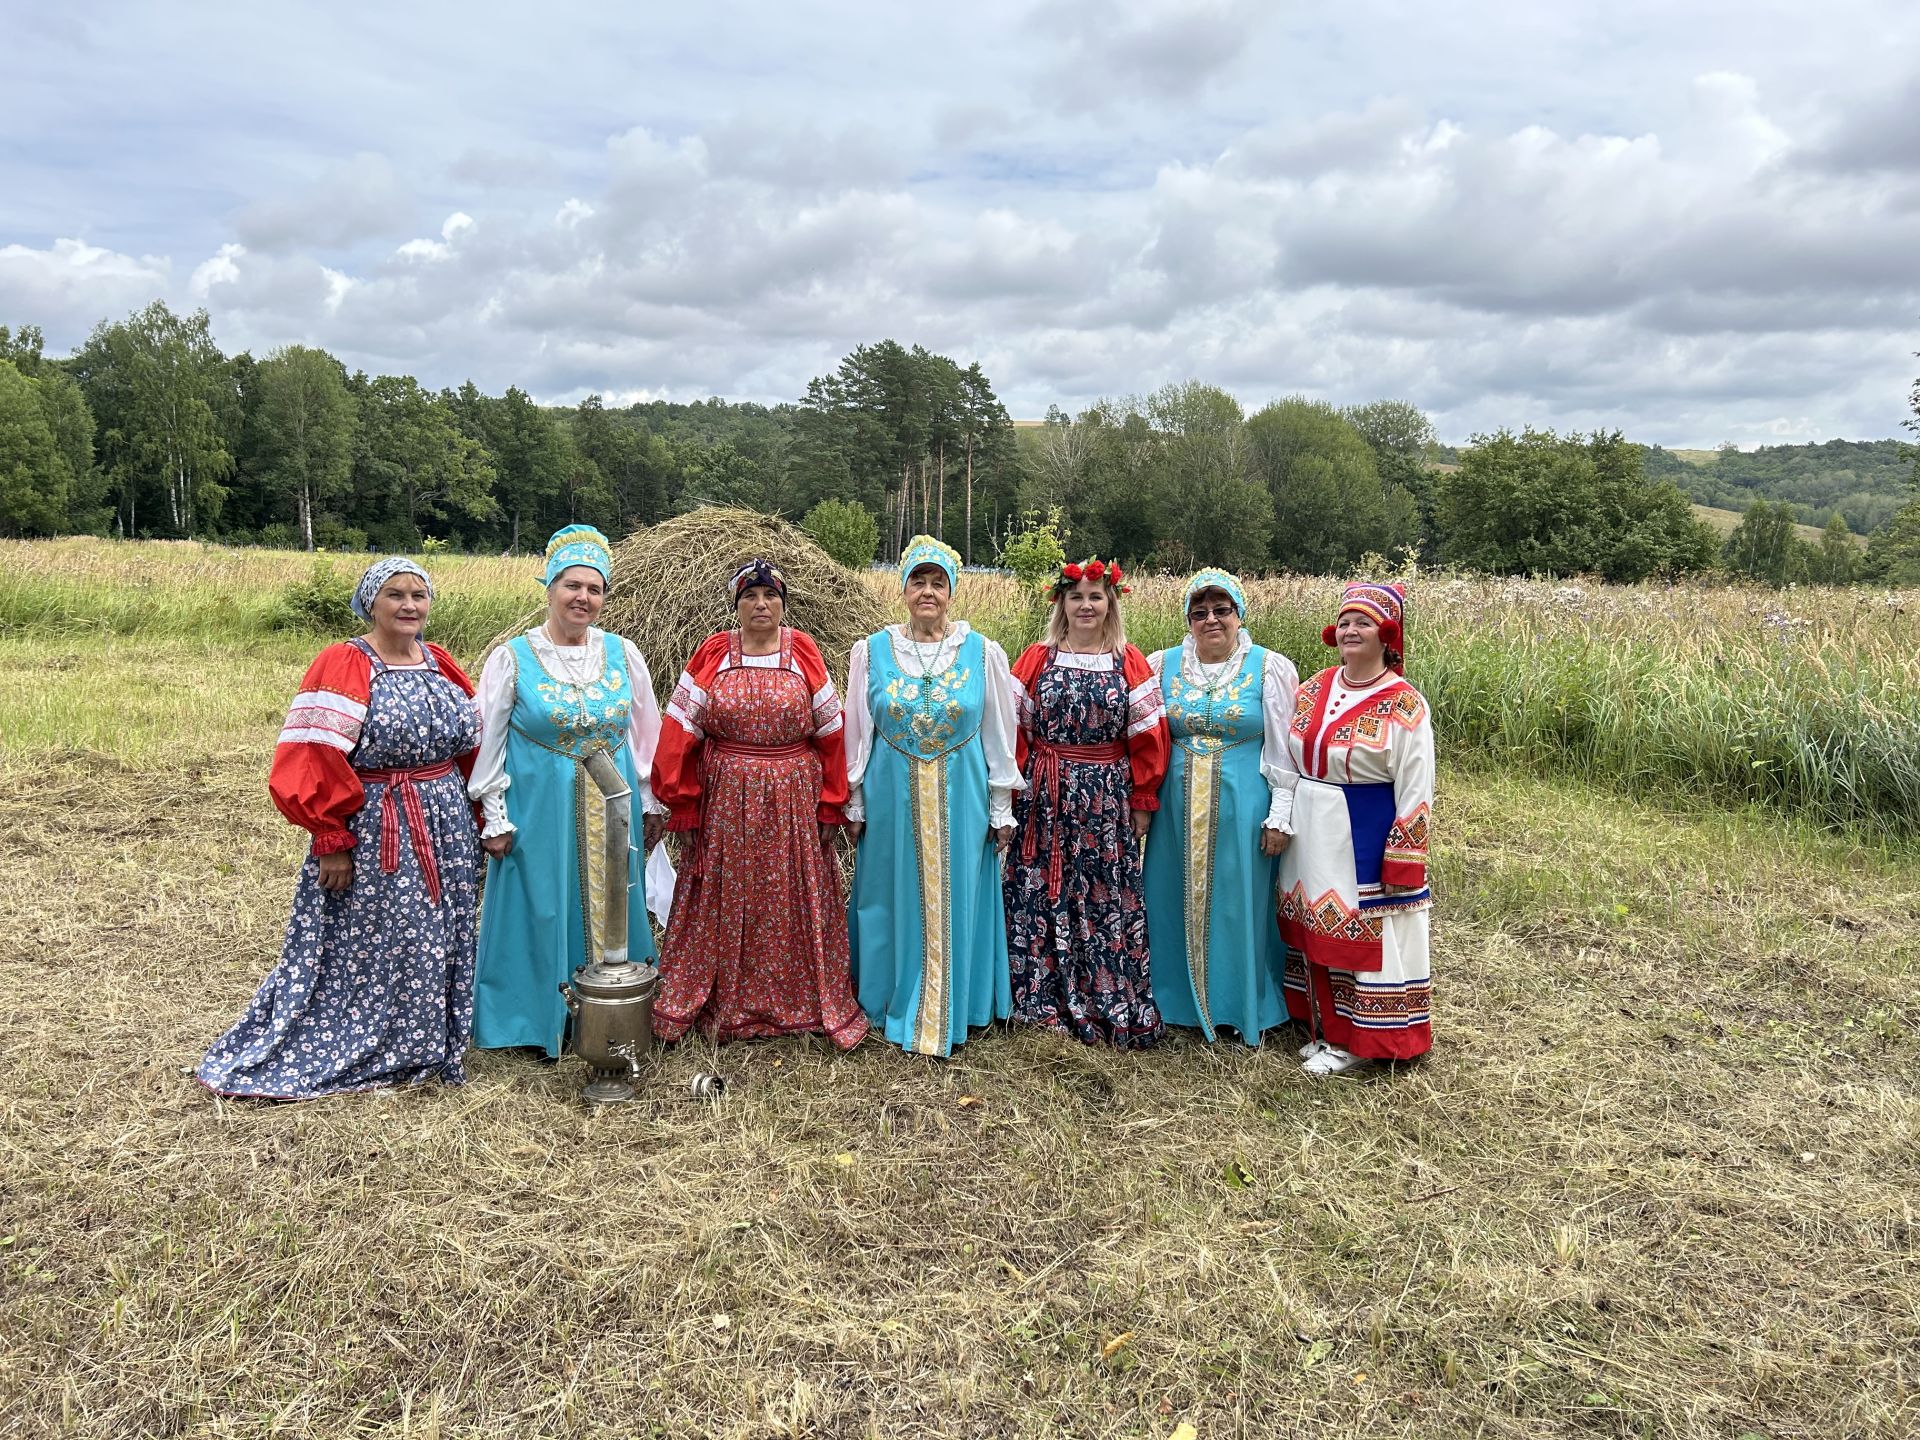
(1216,579)
(543,914)
(925,550)
(1217,954)
(928,931)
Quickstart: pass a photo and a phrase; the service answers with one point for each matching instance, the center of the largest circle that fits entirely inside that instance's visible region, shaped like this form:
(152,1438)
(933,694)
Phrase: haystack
(669,588)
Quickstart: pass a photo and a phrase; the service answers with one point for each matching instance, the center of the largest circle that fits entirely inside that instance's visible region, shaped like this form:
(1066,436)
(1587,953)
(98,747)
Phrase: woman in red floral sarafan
(752,768)
(1093,749)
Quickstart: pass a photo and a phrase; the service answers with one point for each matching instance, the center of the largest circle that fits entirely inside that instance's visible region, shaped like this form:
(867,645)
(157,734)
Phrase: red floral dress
(752,757)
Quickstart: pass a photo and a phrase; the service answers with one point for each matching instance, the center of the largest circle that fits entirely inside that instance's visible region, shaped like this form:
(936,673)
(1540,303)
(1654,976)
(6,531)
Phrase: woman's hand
(1386,889)
(855,829)
(1141,820)
(498,846)
(1273,842)
(336,870)
(826,835)
(1002,837)
(652,827)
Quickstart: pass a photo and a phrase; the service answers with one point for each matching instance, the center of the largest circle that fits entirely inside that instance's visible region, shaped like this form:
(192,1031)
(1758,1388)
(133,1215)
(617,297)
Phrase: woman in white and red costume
(1353,885)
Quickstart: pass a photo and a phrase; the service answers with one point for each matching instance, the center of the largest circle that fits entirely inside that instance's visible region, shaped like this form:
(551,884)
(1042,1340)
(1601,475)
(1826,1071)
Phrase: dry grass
(670,588)
(1658,1179)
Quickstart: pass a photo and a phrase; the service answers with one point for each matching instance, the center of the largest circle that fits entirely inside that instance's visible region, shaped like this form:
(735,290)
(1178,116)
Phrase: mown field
(1657,1179)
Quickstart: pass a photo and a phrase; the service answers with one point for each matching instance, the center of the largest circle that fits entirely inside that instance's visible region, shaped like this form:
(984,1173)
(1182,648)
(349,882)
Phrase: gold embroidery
(1203,814)
(929,785)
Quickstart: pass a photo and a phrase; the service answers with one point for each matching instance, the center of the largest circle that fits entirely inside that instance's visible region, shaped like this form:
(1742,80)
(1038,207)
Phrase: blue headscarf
(925,550)
(1214,579)
(578,545)
(377,575)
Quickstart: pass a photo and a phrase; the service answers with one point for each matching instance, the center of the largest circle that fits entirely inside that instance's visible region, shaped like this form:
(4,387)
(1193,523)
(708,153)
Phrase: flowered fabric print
(1079,957)
(375,982)
(757,940)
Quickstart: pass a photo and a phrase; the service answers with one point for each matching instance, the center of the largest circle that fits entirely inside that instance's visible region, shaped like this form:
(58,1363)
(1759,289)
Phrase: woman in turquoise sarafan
(931,770)
(548,700)
(1226,815)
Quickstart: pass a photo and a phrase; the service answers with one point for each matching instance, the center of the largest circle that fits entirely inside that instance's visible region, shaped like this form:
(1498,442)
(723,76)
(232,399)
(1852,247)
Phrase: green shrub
(845,530)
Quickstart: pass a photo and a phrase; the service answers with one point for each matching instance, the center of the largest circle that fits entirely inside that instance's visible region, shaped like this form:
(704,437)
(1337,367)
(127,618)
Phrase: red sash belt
(401,783)
(763,752)
(1044,768)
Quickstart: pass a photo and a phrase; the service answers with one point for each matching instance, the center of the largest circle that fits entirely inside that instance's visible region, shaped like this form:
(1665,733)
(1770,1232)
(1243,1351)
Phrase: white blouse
(498,681)
(1279,682)
(996,721)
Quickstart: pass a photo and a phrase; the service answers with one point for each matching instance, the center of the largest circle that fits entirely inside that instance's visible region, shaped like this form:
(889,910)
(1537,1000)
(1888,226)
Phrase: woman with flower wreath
(1226,815)
(1093,750)
(931,774)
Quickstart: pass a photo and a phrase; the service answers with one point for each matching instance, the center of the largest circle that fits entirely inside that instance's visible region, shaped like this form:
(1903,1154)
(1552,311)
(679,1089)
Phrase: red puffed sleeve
(1026,678)
(312,780)
(829,728)
(1148,744)
(676,760)
(1410,753)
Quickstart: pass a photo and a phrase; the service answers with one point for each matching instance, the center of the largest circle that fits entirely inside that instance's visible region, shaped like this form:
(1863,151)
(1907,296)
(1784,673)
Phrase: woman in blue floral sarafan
(550,698)
(1225,816)
(931,773)
(1093,749)
(375,981)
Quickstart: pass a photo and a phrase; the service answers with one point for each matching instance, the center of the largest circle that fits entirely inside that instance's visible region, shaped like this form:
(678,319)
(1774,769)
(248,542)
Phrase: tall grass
(1806,701)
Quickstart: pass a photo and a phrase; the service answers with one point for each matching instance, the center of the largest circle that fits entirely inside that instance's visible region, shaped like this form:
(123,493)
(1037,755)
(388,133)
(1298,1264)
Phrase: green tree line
(148,429)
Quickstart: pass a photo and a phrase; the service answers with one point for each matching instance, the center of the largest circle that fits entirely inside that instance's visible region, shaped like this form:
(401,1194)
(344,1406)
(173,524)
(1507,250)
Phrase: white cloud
(1691,223)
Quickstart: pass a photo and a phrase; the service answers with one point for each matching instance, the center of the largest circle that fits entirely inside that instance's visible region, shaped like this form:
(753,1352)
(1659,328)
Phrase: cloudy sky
(1698,222)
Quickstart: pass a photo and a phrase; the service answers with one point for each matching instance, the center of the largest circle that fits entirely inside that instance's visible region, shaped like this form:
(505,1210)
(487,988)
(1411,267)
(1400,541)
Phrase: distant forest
(149,430)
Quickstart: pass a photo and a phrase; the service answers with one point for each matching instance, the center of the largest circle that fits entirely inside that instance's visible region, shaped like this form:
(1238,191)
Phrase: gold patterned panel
(590,835)
(929,785)
(1203,820)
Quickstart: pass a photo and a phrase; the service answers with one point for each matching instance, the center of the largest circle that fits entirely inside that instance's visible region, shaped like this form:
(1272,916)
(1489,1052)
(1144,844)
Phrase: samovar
(610,998)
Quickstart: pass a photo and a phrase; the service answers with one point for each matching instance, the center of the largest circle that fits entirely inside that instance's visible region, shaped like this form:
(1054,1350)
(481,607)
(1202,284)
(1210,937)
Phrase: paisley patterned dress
(375,982)
(1076,918)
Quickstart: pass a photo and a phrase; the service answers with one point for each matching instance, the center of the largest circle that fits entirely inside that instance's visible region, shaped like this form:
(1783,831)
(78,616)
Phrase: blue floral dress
(375,982)
(1079,950)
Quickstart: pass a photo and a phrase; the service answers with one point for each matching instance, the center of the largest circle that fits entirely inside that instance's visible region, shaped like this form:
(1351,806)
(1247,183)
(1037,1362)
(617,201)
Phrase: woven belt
(402,783)
(1044,767)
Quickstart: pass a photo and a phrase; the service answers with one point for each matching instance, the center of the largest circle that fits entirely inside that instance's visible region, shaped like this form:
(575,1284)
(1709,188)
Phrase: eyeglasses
(1206,612)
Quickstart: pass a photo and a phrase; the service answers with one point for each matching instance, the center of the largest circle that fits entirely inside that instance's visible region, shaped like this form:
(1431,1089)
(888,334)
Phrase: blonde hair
(1113,631)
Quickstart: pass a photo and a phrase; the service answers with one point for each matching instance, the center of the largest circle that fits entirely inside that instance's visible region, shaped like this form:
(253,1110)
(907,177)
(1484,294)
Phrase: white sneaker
(1312,1048)
(1332,1061)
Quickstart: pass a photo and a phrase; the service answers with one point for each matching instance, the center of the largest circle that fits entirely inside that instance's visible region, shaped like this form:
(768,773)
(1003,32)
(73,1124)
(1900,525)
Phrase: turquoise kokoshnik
(542,915)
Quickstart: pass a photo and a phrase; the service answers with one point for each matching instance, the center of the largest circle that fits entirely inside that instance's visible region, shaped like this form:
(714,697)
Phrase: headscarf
(756,572)
(578,545)
(925,550)
(377,575)
(1386,604)
(1212,579)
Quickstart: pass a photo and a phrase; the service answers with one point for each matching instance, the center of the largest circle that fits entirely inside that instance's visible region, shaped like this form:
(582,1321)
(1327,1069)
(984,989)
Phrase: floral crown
(1074,572)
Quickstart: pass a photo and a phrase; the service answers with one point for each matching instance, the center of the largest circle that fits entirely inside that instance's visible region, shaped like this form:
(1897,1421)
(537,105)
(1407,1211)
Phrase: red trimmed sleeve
(312,780)
(829,738)
(676,760)
(1026,679)
(1149,746)
(1405,861)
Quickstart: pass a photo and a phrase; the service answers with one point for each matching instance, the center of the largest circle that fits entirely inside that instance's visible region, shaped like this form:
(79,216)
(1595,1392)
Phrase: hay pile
(669,588)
